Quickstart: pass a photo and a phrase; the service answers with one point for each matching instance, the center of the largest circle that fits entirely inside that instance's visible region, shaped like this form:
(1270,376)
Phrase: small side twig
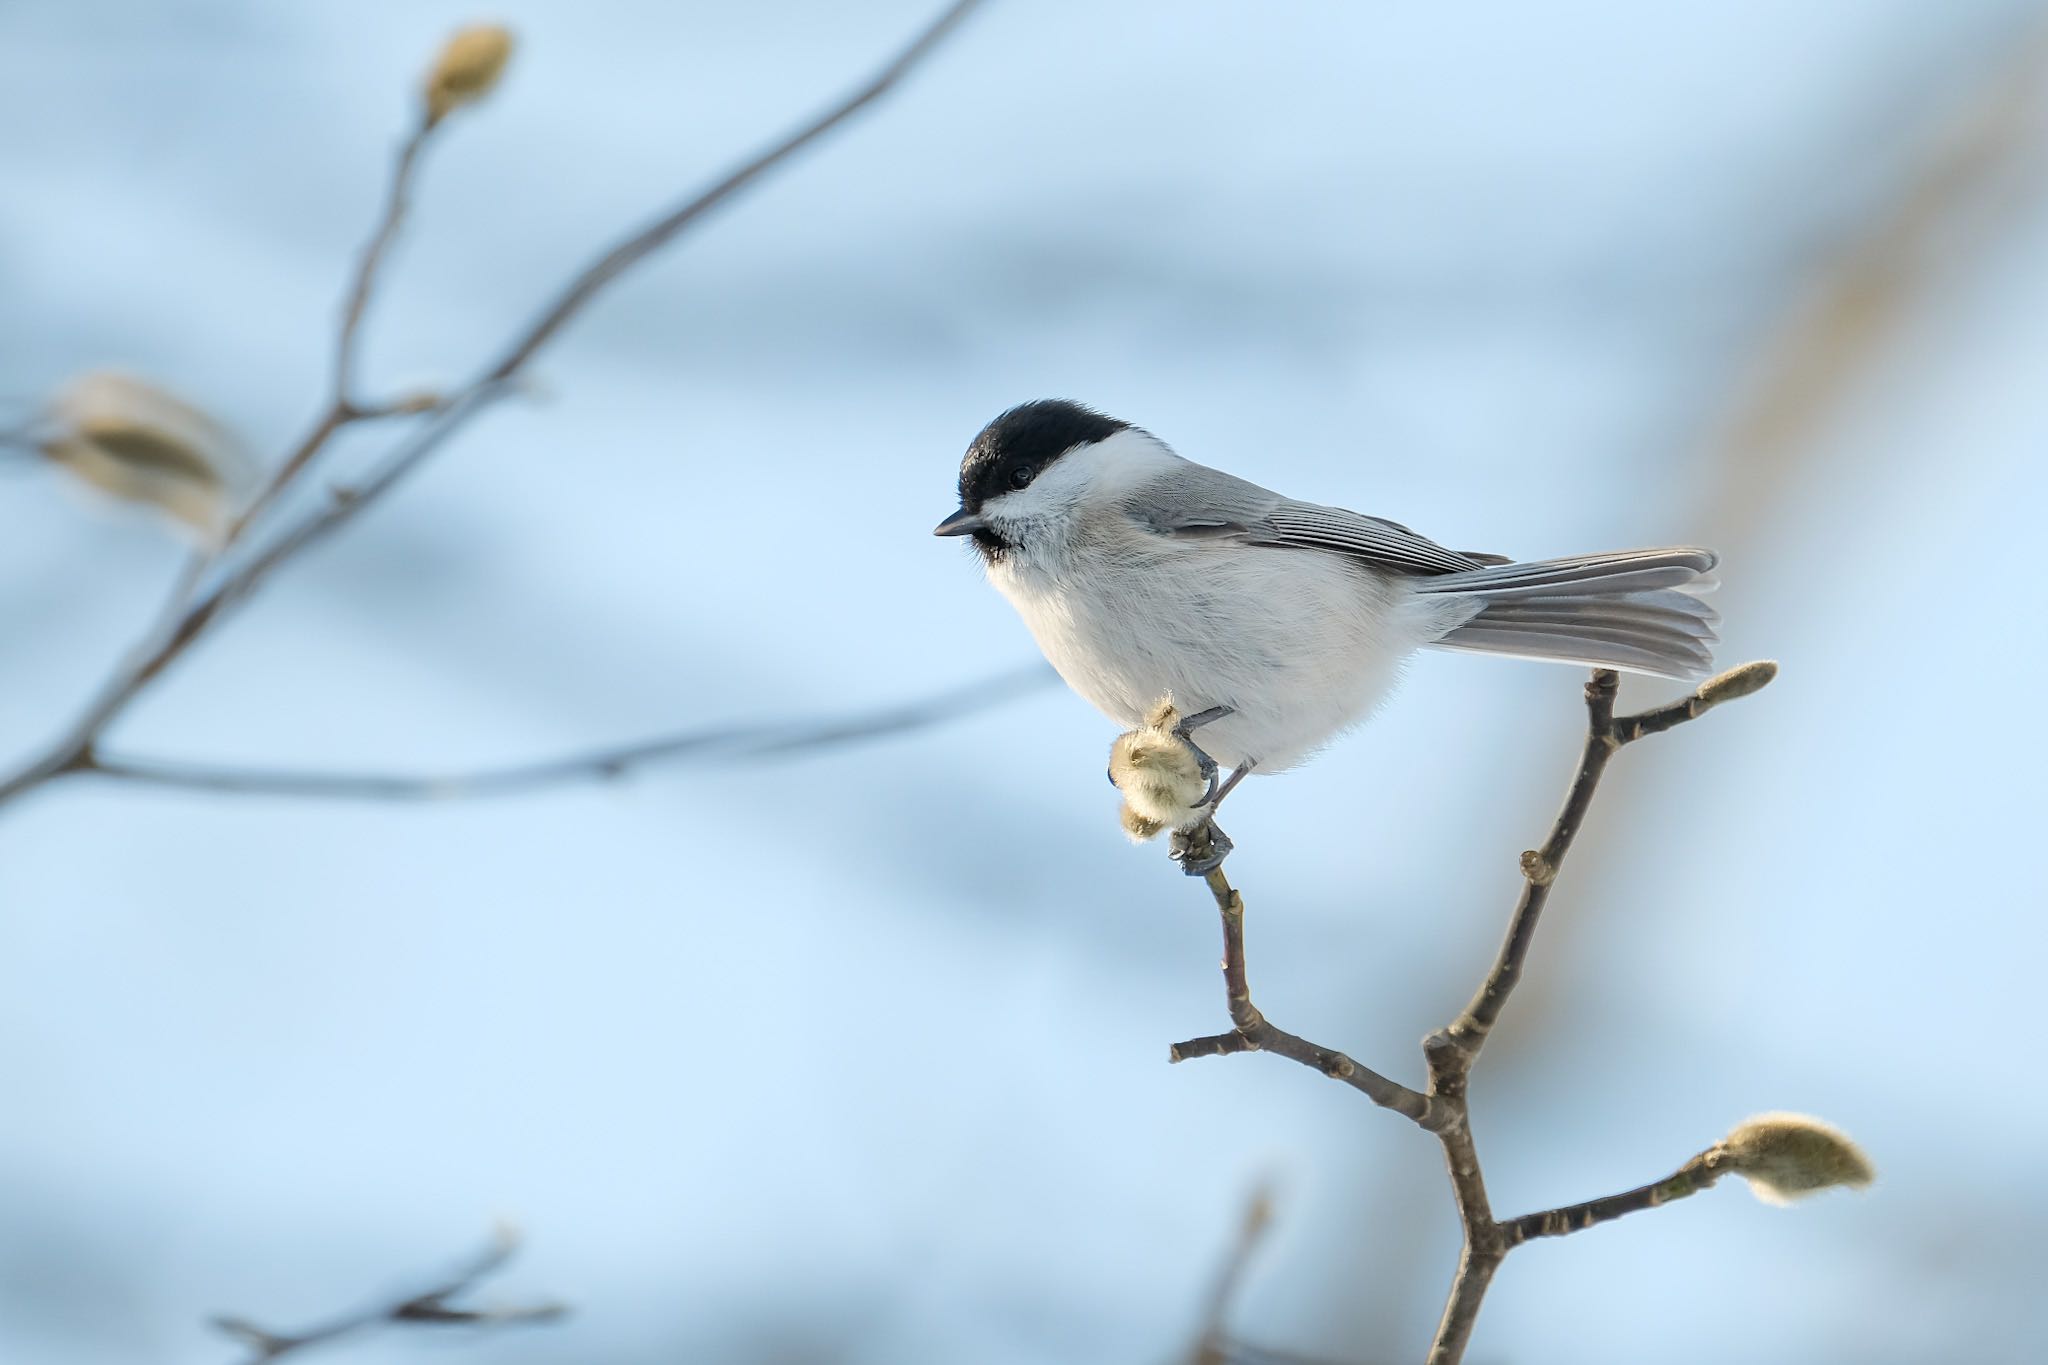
(457,409)
(1450,1053)
(397,200)
(343,408)
(1253,1032)
(1695,1175)
(1213,1342)
(711,744)
(430,1307)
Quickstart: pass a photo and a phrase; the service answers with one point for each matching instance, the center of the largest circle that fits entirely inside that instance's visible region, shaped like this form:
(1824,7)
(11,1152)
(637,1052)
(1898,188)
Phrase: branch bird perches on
(1449,1054)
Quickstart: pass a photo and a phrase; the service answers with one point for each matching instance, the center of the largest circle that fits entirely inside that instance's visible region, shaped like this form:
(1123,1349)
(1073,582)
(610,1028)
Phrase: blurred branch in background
(429,1308)
(1863,295)
(1822,352)
(1212,1344)
(1215,1344)
(231,568)
(713,744)
(1783,1155)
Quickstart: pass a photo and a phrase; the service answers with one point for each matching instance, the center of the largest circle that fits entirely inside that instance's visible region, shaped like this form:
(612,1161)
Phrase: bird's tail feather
(1635,610)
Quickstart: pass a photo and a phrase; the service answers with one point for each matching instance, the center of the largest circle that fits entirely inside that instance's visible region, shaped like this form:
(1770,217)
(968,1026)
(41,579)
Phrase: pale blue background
(863,1059)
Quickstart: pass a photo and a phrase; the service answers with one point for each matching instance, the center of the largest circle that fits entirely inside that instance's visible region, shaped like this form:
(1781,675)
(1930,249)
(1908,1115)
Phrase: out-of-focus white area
(863,1058)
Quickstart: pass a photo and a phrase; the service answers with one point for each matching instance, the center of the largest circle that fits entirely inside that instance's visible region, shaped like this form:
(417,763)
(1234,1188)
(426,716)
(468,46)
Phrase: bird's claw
(1189,724)
(1200,850)
(1204,764)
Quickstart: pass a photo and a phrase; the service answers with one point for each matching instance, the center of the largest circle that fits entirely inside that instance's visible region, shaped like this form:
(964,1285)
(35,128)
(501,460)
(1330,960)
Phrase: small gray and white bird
(1144,576)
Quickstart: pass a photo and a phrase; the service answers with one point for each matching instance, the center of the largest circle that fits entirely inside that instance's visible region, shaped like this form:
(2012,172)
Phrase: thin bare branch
(1213,1343)
(1540,868)
(496,380)
(431,1307)
(712,744)
(343,408)
(1252,1032)
(397,199)
(1695,1175)
(1476,1268)
(1233,1350)
(1450,1052)
(1605,736)
(650,239)
(196,608)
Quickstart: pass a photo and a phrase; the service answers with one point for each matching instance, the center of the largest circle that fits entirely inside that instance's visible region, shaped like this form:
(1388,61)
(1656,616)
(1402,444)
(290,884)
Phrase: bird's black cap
(1030,435)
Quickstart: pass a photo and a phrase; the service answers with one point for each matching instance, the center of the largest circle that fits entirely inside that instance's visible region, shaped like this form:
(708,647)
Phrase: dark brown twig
(1539,870)
(431,1307)
(195,608)
(1252,1032)
(1451,1052)
(1695,1175)
(713,744)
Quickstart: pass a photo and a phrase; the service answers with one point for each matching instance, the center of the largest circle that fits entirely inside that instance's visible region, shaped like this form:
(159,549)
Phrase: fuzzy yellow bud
(1139,827)
(1159,776)
(143,444)
(1739,681)
(1788,1156)
(468,68)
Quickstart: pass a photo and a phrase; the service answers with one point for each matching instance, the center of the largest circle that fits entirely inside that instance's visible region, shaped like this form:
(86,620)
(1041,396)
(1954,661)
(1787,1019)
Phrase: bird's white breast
(1300,643)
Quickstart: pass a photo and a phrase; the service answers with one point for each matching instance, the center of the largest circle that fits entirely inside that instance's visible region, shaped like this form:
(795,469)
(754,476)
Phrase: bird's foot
(1200,850)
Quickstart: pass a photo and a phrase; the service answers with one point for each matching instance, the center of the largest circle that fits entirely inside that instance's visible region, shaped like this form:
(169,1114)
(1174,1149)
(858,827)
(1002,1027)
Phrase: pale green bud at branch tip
(1788,1156)
(1739,681)
(140,443)
(468,69)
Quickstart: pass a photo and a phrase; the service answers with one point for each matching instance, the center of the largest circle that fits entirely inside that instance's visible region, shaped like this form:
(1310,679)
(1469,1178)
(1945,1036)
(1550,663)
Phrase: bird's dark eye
(1022,475)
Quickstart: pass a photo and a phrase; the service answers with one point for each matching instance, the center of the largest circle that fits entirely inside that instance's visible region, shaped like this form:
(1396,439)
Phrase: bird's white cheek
(1024,505)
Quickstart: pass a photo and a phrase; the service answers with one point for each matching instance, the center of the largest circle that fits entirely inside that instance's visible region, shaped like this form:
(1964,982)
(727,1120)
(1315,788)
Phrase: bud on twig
(1159,774)
(468,69)
(1788,1156)
(1140,827)
(141,443)
(1738,682)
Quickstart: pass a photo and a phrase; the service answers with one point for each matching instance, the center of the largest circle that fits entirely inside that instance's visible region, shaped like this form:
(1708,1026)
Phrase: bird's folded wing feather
(1199,503)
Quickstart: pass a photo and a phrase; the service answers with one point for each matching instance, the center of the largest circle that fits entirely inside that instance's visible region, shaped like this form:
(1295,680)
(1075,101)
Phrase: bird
(1275,625)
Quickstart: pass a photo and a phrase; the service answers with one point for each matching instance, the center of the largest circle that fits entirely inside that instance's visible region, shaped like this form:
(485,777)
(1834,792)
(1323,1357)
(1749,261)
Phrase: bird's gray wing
(1196,502)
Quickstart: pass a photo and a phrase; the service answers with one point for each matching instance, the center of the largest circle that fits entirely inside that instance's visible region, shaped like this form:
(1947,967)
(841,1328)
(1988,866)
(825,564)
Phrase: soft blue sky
(862,1059)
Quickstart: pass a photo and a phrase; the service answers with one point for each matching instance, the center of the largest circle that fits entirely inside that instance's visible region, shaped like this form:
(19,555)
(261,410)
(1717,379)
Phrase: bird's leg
(1189,724)
(1237,775)
(1203,763)
(1202,849)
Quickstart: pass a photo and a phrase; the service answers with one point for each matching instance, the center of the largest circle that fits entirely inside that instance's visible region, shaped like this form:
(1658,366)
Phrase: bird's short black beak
(961,523)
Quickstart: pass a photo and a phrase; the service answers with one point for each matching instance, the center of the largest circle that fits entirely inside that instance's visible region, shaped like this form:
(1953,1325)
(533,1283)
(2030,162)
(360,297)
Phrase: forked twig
(213,585)
(1450,1053)
(433,1306)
